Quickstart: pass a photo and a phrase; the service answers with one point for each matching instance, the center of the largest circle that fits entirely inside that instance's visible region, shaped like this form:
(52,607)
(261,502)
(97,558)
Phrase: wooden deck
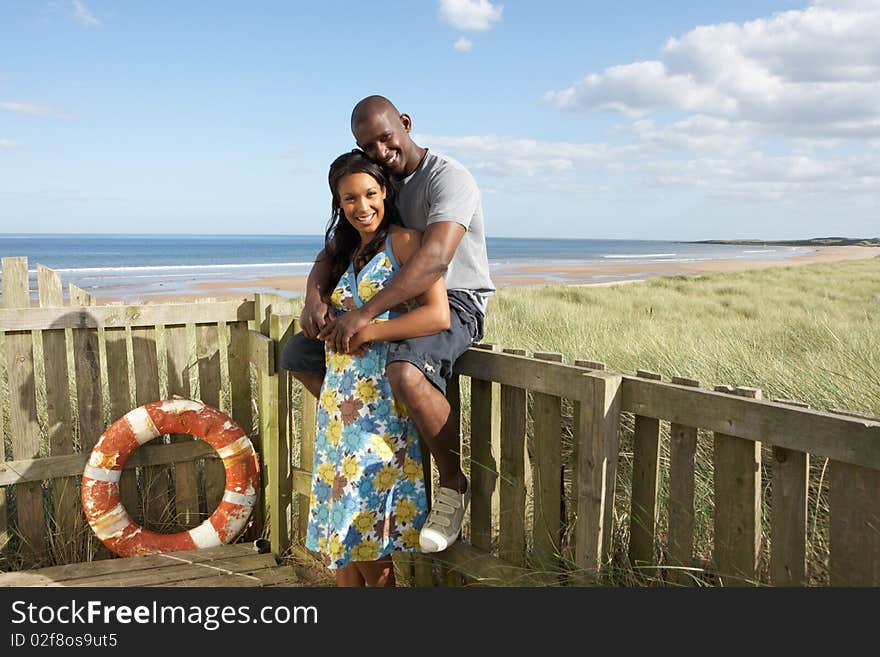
(236,565)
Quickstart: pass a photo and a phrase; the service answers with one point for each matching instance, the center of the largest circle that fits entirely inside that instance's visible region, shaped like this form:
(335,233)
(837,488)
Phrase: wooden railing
(545,447)
(576,472)
(70,370)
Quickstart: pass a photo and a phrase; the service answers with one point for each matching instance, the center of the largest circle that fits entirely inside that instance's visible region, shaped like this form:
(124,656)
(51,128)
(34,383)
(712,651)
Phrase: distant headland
(815,241)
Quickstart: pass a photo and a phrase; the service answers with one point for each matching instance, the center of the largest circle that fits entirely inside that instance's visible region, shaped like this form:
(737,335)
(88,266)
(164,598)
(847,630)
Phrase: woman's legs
(379,573)
(350,576)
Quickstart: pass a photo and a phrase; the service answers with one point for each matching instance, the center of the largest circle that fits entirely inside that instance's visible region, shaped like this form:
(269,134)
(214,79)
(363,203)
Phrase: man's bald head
(371,106)
(382,132)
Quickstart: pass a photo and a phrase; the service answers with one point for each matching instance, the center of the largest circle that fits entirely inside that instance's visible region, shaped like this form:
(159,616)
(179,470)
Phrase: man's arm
(314,313)
(426,265)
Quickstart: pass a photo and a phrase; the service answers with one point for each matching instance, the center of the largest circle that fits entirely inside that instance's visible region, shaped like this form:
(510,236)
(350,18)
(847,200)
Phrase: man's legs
(418,370)
(430,412)
(304,358)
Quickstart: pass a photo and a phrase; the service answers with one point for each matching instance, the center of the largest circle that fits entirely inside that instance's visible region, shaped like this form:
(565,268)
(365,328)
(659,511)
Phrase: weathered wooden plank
(185,477)
(88,386)
(125,315)
(851,440)
(448,575)
(682,450)
(551,378)
(854,558)
(645,478)
(485,569)
(261,351)
(5,534)
(277,459)
(788,515)
(239,375)
(512,531)
(157,576)
(597,424)
(546,456)
(238,356)
(309,419)
(737,464)
(485,425)
(79,297)
(121,402)
(74,571)
(52,467)
(273,575)
(154,479)
(66,519)
(49,286)
(590,364)
(23,425)
(208,354)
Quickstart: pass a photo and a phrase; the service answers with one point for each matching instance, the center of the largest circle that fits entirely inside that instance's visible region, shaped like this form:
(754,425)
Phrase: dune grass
(809,332)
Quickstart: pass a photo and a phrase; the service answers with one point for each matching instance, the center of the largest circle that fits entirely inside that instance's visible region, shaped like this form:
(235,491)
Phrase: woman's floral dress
(368,489)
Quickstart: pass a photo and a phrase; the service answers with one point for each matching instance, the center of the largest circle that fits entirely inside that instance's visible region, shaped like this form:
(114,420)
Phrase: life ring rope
(103,508)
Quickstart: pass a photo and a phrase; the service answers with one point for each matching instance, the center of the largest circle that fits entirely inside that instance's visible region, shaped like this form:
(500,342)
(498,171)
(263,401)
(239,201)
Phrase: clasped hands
(343,334)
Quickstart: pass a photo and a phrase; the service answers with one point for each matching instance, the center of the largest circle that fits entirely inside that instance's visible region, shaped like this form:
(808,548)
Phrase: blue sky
(629,120)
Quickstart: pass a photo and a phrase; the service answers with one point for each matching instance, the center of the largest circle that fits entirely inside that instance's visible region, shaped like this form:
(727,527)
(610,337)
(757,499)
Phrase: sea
(133,267)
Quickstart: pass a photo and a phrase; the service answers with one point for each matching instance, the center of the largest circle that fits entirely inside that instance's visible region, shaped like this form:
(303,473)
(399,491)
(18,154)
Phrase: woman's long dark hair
(341,239)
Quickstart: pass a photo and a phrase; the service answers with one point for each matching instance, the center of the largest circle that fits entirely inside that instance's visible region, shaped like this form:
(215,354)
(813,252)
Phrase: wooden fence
(574,472)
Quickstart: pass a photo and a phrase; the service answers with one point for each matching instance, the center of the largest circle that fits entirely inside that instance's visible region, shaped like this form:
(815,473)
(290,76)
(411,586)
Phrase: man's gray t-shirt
(441,189)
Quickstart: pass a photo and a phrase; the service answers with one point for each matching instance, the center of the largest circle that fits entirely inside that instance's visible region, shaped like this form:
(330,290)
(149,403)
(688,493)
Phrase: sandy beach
(575,274)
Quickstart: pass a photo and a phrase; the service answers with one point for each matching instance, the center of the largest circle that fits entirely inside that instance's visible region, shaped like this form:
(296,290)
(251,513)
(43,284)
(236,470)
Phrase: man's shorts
(433,354)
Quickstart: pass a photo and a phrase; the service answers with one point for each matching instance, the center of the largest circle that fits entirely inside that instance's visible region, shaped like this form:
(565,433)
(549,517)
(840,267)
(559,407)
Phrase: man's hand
(338,333)
(314,317)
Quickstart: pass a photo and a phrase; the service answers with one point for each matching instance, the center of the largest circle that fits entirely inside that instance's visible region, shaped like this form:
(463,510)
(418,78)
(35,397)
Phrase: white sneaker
(443,524)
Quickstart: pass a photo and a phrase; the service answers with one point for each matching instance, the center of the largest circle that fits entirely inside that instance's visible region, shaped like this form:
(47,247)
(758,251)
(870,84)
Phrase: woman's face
(362,199)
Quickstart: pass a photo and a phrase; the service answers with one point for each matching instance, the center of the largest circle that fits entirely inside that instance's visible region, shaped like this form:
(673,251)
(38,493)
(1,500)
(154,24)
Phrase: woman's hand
(357,345)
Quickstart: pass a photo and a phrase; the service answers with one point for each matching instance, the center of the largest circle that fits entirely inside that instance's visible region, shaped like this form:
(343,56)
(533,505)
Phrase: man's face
(384,137)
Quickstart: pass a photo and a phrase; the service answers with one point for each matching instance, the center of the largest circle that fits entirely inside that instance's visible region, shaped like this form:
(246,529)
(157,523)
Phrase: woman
(368,490)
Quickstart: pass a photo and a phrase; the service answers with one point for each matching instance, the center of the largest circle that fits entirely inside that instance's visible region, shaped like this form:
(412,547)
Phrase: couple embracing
(398,293)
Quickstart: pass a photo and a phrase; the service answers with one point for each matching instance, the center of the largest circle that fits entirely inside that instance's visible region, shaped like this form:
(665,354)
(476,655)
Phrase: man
(437,195)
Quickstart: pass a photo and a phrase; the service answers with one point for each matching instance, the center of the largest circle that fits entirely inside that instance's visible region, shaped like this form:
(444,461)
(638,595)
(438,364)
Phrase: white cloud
(29,109)
(719,160)
(83,16)
(6,144)
(463,44)
(812,72)
(474,15)
(503,156)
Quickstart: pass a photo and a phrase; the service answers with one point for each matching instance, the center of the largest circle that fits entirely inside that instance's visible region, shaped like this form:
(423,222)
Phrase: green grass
(808,332)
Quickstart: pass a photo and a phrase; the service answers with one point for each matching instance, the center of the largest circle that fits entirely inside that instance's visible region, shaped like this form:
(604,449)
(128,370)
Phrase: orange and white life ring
(100,483)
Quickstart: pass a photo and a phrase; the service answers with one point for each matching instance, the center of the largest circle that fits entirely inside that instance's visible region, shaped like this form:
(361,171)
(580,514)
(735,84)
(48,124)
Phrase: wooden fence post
(485,448)
(308,425)
(280,492)
(788,514)
(67,519)
(854,558)
(682,450)
(511,533)
(25,432)
(549,512)
(597,426)
(645,475)
(737,464)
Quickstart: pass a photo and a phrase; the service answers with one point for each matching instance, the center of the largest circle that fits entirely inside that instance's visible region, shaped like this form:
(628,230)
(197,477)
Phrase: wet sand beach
(556,274)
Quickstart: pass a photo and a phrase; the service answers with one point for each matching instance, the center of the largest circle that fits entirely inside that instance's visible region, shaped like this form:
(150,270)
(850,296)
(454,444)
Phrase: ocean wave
(641,255)
(264,265)
(761,251)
